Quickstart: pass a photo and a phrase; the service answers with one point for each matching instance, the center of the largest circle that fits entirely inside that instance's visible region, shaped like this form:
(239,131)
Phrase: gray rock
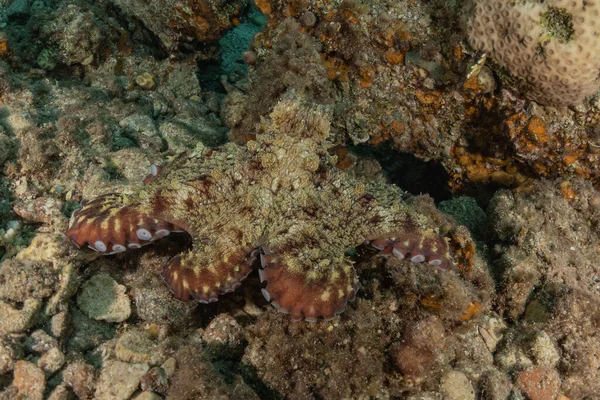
(40,342)
(102,298)
(137,346)
(13,320)
(10,352)
(52,361)
(80,378)
(21,280)
(119,380)
(456,386)
(18,9)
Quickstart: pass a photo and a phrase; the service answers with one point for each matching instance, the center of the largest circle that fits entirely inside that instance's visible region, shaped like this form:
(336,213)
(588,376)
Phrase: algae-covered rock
(119,380)
(137,346)
(21,280)
(14,320)
(102,298)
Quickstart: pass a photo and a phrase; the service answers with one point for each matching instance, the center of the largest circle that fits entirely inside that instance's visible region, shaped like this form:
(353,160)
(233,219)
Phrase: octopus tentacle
(418,247)
(193,275)
(109,225)
(309,293)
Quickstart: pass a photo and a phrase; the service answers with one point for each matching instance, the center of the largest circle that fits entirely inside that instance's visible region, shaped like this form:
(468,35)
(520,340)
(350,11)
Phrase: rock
(21,280)
(170,366)
(60,393)
(544,350)
(46,210)
(16,321)
(155,380)
(60,325)
(10,393)
(142,127)
(88,333)
(29,380)
(147,396)
(539,383)
(136,346)
(102,298)
(18,9)
(224,337)
(10,352)
(495,385)
(415,355)
(52,361)
(40,342)
(157,305)
(119,380)
(80,377)
(456,386)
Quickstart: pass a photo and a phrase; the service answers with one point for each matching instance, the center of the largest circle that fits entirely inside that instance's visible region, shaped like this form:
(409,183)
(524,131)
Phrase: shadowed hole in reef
(408,172)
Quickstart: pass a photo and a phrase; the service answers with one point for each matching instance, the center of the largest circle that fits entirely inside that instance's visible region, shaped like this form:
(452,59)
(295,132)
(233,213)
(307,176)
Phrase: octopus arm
(308,282)
(211,268)
(115,222)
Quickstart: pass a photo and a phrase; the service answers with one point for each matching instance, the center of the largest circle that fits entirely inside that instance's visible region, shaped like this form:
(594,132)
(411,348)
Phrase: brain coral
(551,45)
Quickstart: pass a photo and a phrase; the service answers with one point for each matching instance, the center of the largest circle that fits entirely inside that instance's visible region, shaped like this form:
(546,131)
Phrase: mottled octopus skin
(279,200)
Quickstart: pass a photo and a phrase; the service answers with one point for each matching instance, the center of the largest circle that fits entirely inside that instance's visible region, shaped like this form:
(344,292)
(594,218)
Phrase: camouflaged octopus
(280,201)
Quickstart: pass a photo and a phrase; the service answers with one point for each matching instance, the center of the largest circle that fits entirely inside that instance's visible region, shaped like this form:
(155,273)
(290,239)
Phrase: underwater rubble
(489,293)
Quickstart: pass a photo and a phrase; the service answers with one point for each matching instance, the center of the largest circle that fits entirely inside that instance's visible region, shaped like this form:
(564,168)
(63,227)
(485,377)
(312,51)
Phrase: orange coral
(264,6)
(472,309)
(394,57)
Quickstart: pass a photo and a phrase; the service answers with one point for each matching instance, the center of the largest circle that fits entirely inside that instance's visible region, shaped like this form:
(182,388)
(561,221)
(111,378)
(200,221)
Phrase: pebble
(539,383)
(224,336)
(170,366)
(10,352)
(17,9)
(80,377)
(40,342)
(16,321)
(102,298)
(496,385)
(60,393)
(456,386)
(159,306)
(29,380)
(119,380)
(155,380)
(21,280)
(147,396)
(415,355)
(60,325)
(52,361)
(544,350)
(46,210)
(136,346)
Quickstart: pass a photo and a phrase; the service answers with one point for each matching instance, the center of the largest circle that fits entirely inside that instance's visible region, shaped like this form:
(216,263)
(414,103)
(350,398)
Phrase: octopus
(277,204)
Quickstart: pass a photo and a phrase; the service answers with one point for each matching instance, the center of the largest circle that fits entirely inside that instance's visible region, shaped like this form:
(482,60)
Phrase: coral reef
(550,45)
(396,76)
(183,21)
(281,201)
(93,95)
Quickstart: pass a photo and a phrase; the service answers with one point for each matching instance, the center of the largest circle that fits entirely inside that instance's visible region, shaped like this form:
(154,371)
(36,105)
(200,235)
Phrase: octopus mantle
(280,201)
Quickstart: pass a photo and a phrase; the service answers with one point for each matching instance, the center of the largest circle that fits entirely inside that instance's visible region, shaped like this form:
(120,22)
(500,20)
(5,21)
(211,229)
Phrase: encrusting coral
(280,201)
